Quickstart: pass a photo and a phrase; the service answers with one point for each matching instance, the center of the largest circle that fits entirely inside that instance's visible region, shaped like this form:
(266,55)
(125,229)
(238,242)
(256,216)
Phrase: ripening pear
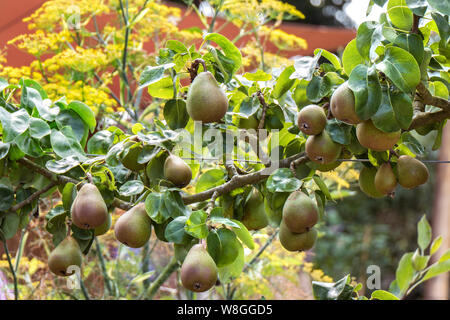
(129,157)
(133,228)
(385,180)
(206,101)
(104,228)
(255,216)
(371,137)
(342,105)
(300,212)
(367,182)
(177,171)
(311,120)
(411,172)
(198,271)
(345,154)
(296,241)
(89,210)
(322,149)
(66,254)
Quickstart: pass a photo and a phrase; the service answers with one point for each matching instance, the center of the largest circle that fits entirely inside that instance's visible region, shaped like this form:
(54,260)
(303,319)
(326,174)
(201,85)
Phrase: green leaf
(65,144)
(284,83)
(176,46)
(85,113)
(283,180)
(10,225)
(162,89)
(210,179)
(56,224)
(366,87)
(68,195)
(6,196)
(340,290)
(243,234)
(322,186)
(401,68)
(131,188)
(100,142)
(383,295)
(234,269)
(339,131)
(441,6)
(305,67)
(259,75)
(175,113)
(384,119)
(4,149)
(412,43)
(28,145)
(424,233)
(400,15)
(330,57)
(318,88)
(436,245)
(403,108)
(405,272)
(39,128)
(174,203)
(71,119)
(196,224)
(351,57)
(175,231)
(153,74)
(229,247)
(62,165)
(418,7)
(14,123)
(437,269)
(154,205)
(142,277)
(248,107)
(229,49)
(364,41)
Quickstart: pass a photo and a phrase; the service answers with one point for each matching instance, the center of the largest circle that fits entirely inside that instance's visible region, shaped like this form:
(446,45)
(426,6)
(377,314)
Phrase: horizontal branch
(32,197)
(431,100)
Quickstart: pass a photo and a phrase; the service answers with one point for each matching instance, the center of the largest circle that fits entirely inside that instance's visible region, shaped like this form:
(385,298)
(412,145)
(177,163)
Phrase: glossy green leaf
(131,188)
(441,6)
(405,272)
(196,224)
(85,113)
(351,57)
(284,83)
(259,75)
(283,180)
(175,113)
(210,179)
(229,49)
(384,119)
(175,231)
(400,15)
(403,108)
(243,234)
(383,295)
(39,128)
(424,233)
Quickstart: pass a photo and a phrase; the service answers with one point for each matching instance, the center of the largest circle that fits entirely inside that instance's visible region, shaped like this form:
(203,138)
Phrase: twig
(262,101)
(11,268)
(103,266)
(163,276)
(31,198)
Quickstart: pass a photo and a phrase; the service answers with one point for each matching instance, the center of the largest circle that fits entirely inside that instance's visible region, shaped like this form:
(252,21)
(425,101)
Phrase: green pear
(300,212)
(311,120)
(133,228)
(104,228)
(177,171)
(367,182)
(411,172)
(65,255)
(250,123)
(322,149)
(129,156)
(296,241)
(206,101)
(198,271)
(255,216)
(89,210)
(342,105)
(371,137)
(385,180)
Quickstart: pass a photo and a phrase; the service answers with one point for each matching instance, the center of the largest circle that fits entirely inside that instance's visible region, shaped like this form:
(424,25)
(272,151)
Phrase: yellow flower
(283,40)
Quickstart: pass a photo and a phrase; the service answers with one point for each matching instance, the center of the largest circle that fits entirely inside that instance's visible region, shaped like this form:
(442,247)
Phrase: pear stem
(163,276)
(193,70)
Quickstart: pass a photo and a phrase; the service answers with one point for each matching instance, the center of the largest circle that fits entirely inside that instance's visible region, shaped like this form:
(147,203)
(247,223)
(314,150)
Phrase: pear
(89,210)
(311,120)
(255,216)
(411,172)
(342,105)
(300,212)
(129,156)
(133,228)
(385,180)
(206,101)
(198,271)
(371,137)
(322,149)
(66,254)
(296,241)
(367,182)
(104,228)
(250,123)
(177,171)
(345,154)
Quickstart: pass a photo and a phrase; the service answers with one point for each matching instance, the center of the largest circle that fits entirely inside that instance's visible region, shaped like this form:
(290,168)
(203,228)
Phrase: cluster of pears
(199,271)
(319,147)
(342,106)
(88,211)
(300,214)
(409,173)
(206,101)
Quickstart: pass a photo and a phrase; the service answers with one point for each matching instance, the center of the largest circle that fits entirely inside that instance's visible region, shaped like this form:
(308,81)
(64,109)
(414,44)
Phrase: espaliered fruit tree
(391,83)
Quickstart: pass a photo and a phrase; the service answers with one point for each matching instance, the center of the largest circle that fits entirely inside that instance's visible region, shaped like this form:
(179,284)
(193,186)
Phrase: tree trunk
(438,288)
